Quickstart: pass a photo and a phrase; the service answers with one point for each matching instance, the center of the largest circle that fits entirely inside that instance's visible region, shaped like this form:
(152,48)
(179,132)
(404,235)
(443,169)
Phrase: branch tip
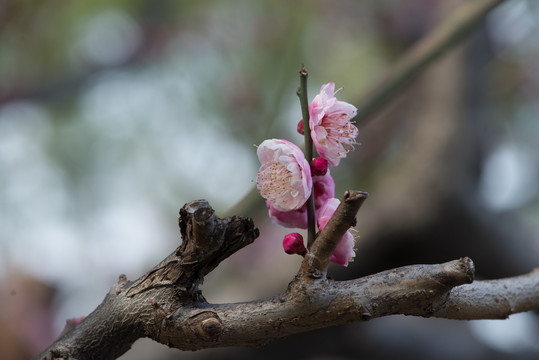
(469,268)
(352,195)
(324,245)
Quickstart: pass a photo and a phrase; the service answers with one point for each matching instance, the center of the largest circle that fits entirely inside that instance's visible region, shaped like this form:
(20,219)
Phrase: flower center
(274,181)
(340,131)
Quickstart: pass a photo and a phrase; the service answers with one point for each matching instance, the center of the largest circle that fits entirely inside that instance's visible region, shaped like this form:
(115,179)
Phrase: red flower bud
(293,244)
(319,166)
(301,128)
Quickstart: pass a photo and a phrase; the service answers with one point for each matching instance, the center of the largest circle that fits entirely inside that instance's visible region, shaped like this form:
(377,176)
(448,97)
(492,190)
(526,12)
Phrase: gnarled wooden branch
(166,305)
(142,308)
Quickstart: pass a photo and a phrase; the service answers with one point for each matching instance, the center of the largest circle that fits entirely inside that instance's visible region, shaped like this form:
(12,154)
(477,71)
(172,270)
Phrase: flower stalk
(302,94)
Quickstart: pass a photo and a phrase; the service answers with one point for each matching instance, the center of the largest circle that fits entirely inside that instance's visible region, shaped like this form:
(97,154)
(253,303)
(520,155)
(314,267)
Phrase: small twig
(304,101)
(316,261)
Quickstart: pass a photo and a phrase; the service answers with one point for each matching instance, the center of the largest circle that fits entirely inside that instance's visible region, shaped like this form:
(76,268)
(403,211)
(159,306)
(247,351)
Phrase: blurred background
(113,114)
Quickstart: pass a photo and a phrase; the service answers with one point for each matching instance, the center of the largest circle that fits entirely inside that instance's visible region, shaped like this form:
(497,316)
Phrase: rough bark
(142,308)
(166,305)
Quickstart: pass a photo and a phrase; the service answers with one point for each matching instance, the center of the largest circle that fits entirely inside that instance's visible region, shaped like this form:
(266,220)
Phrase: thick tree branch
(493,299)
(166,305)
(419,289)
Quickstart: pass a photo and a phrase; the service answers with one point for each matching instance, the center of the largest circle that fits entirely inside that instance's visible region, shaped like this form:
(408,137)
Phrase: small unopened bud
(319,166)
(71,323)
(75,321)
(293,244)
(301,128)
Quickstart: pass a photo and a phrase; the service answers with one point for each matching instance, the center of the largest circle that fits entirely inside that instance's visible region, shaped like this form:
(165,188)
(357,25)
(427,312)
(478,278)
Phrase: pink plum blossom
(293,244)
(324,189)
(284,178)
(331,130)
(344,252)
(290,219)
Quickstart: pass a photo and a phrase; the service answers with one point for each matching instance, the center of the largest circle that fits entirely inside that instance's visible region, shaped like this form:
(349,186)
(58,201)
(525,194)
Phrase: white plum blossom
(284,178)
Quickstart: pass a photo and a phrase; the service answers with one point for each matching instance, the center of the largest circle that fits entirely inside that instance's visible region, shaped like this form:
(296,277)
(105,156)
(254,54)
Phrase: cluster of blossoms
(286,178)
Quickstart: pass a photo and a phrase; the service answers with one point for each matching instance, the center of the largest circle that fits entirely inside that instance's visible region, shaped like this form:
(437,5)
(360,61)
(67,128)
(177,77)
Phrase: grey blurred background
(113,114)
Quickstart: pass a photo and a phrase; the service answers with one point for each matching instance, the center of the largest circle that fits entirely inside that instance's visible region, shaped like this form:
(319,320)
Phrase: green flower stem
(302,94)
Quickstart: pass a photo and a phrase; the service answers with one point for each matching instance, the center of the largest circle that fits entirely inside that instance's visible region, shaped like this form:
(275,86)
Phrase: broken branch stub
(206,241)
(316,262)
